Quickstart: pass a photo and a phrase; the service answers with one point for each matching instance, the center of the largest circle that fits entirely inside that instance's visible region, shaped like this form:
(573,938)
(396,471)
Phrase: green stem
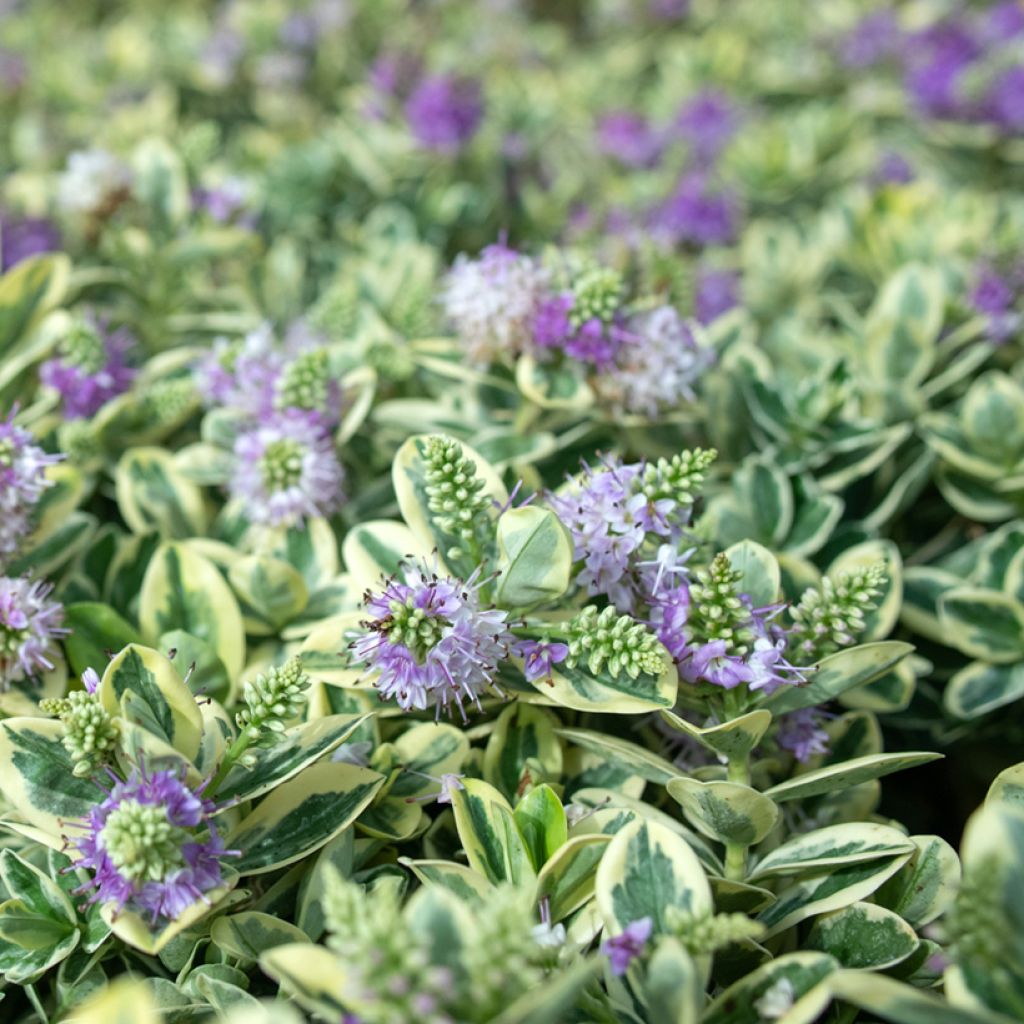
(30,991)
(235,751)
(738,771)
(525,417)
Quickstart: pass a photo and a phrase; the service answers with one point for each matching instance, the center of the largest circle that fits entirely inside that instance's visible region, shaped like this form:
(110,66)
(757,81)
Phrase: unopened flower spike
(90,734)
(455,493)
(831,616)
(605,640)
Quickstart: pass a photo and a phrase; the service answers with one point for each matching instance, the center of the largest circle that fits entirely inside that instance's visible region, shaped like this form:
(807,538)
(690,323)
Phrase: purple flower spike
(708,122)
(91,369)
(717,293)
(444,112)
(22,481)
(429,643)
(696,214)
(151,846)
(30,625)
(624,948)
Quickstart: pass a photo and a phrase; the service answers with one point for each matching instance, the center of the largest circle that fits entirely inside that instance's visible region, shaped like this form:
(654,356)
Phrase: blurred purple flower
(892,169)
(707,122)
(30,625)
(444,112)
(696,214)
(91,367)
(151,845)
(624,948)
(937,59)
(876,37)
(23,479)
(1005,101)
(717,292)
(21,237)
(800,733)
(629,138)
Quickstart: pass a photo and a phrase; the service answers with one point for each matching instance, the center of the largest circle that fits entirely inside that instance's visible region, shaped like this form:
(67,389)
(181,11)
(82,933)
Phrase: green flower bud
(606,639)
(455,494)
(273,699)
(142,843)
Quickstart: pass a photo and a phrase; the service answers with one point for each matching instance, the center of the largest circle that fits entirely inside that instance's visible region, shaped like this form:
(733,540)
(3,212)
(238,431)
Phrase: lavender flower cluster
(288,404)
(641,358)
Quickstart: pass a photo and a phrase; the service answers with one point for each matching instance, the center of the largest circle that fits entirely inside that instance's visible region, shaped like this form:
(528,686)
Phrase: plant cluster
(488,496)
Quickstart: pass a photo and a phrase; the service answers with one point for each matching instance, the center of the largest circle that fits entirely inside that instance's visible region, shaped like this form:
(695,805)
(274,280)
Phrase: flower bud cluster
(272,700)
(606,640)
(832,616)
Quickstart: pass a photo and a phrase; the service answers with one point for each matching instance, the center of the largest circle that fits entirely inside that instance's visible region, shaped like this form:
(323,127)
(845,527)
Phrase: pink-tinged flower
(624,948)
(286,470)
(91,367)
(91,680)
(23,479)
(492,301)
(429,643)
(629,138)
(540,657)
(151,846)
(800,733)
(30,625)
(657,365)
(444,112)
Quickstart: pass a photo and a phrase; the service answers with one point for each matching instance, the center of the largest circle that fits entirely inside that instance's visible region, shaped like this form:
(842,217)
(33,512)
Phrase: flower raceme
(429,642)
(23,479)
(151,846)
(30,625)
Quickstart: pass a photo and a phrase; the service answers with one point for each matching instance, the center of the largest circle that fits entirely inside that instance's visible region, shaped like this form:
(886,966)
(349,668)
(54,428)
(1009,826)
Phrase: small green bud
(707,933)
(90,734)
(142,843)
(597,294)
(281,465)
(305,383)
(716,611)
(273,699)
(678,478)
(831,616)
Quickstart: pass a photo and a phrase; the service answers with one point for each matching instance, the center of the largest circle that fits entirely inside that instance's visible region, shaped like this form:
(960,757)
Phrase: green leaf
(846,774)
(838,673)
(493,844)
(291,752)
(540,818)
(833,846)
(639,760)
(924,888)
(985,624)
(800,973)
(646,869)
(567,878)
(863,937)
(578,689)
(27,292)
(534,558)
(673,987)
(271,591)
(732,739)
(96,631)
(979,688)
(248,935)
(903,325)
(38,778)
(301,815)
(726,811)
(153,494)
(827,891)
(760,576)
(378,548)
(993,418)
(461,881)
(522,742)
(161,702)
(184,590)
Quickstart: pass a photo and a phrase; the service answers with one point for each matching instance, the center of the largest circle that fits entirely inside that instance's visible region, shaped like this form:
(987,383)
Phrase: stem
(235,751)
(30,991)
(738,771)
(525,416)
